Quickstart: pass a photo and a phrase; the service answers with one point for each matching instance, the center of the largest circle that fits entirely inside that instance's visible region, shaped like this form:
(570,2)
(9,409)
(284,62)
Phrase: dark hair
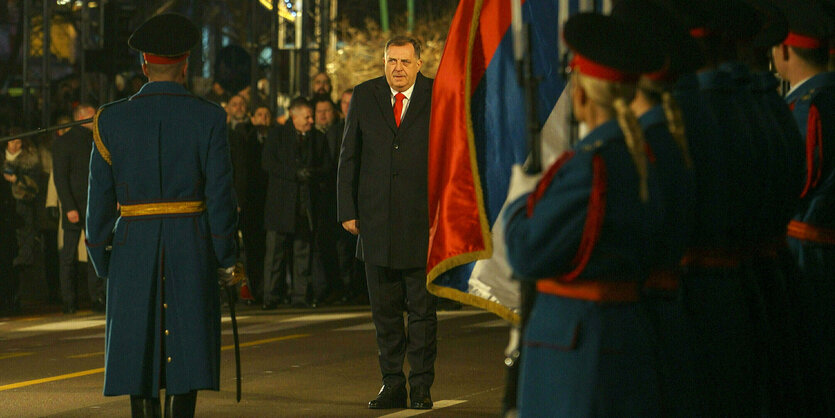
(819,57)
(321,98)
(300,101)
(401,40)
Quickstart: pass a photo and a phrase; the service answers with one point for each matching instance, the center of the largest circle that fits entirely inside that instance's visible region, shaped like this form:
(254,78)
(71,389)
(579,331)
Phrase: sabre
(45,130)
(238,275)
(231,298)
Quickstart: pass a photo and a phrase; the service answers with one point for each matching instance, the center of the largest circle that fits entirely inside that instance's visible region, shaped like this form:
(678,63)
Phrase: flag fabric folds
(478,130)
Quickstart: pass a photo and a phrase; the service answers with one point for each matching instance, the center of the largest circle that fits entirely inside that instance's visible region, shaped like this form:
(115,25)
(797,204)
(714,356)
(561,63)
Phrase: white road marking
(327,317)
(368,326)
(413,412)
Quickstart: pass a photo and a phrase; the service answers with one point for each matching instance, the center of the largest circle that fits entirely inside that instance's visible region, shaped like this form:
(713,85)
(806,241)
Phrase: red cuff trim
(158,59)
(699,33)
(593,69)
(594,219)
(545,181)
(814,150)
(802,41)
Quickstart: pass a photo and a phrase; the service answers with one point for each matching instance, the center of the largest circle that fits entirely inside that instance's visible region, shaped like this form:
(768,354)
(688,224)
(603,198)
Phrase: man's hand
(226,276)
(72,216)
(351,226)
(521,182)
(11,178)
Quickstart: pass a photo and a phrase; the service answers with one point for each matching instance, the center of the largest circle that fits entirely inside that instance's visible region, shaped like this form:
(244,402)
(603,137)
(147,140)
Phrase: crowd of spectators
(41,225)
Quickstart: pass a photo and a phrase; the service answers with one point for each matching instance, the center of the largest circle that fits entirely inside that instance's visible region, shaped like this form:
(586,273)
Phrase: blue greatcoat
(583,358)
(813,106)
(162,145)
(713,293)
(680,394)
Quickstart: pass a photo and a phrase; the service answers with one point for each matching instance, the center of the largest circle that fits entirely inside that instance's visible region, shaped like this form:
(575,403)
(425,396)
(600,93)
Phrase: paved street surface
(296,363)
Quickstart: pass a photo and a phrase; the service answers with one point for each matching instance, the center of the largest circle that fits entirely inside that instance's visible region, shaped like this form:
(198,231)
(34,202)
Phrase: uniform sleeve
(545,229)
(349,163)
(101,211)
(220,197)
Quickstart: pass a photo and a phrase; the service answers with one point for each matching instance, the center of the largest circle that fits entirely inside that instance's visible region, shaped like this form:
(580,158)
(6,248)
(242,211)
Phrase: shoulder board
(594,146)
(105,153)
(203,99)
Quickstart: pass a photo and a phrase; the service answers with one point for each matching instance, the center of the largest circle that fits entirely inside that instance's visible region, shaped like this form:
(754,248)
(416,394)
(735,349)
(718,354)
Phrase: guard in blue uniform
(588,235)
(668,152)
(161,219)
(716,288)
(802,61)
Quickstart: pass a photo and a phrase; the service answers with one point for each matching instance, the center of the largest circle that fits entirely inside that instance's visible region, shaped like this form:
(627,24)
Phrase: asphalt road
(296,363)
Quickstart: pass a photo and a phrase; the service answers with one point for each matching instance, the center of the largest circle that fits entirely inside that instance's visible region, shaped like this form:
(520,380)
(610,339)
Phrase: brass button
(166,332)
(163,278)
(169,359)
(165,305)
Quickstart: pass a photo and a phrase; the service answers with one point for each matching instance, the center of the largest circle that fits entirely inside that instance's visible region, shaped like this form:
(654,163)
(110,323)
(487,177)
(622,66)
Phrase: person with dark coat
(70,164)
(161,217)
(295,158)
(251,189)
(8,250)
(382,195)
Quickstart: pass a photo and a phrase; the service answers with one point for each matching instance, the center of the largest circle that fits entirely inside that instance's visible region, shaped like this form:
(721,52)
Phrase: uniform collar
(817,81)
(652,117)
(602,133)
(160,87)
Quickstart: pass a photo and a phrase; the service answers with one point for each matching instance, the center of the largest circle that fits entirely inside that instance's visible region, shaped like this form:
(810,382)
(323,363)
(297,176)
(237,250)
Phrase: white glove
(226,276)
(521,182)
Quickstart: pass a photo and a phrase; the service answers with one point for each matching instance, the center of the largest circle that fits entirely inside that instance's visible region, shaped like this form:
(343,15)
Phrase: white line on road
(64,325)
(413,412)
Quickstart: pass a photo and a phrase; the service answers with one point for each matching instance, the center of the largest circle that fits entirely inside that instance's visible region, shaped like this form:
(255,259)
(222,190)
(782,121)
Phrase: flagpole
(533,165)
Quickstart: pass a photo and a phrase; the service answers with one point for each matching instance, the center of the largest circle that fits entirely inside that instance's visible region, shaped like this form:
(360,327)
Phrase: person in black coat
(71,167)
(295,158)
(8,249)
(382,197)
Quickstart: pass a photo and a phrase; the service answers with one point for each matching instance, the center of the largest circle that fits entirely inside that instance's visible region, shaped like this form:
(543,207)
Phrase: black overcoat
(71,168)
(281,161)
(382,175)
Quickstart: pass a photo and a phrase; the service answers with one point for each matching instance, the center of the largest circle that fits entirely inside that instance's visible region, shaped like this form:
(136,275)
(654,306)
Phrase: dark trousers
(68,276)
(254,241)
(391,292)
(279,248)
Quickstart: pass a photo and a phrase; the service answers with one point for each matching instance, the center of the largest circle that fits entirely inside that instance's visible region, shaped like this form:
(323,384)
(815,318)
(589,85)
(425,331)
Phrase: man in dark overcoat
(162,156)
(295,158)
(382,197)
(70,167)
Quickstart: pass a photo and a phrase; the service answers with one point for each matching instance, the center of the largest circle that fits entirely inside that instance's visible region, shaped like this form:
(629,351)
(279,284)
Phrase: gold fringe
(163,208)
(105,153)
(446,265)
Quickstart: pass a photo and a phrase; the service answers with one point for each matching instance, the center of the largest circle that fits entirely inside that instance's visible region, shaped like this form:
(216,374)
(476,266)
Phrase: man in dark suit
(71,164)
(382,188)
(295,158)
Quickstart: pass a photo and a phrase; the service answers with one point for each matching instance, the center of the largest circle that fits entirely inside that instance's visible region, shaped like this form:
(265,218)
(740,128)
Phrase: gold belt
(163,208)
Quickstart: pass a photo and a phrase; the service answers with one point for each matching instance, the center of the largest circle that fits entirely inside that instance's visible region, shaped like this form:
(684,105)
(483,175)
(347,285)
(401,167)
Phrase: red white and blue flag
(478,130)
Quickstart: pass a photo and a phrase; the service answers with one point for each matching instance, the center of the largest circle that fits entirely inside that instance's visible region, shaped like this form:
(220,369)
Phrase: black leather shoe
(268,306)
(390,397)
(420,398)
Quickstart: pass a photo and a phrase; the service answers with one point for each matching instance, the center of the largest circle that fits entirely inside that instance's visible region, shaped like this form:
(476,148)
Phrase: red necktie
(398,107)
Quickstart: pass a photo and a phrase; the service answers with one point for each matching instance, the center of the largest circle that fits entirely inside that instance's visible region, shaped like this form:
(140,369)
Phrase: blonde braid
(635,142)
(675,124)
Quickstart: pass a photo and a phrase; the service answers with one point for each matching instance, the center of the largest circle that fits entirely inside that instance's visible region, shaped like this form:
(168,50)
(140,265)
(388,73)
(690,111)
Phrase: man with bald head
(70,162)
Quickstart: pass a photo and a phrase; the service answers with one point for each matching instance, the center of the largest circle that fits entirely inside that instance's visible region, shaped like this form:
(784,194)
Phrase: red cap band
(802,41)
(593,69)
(699,33)
(157,59)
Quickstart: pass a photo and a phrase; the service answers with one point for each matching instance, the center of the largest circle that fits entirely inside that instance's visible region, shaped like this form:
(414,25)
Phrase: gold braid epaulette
(97,139)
